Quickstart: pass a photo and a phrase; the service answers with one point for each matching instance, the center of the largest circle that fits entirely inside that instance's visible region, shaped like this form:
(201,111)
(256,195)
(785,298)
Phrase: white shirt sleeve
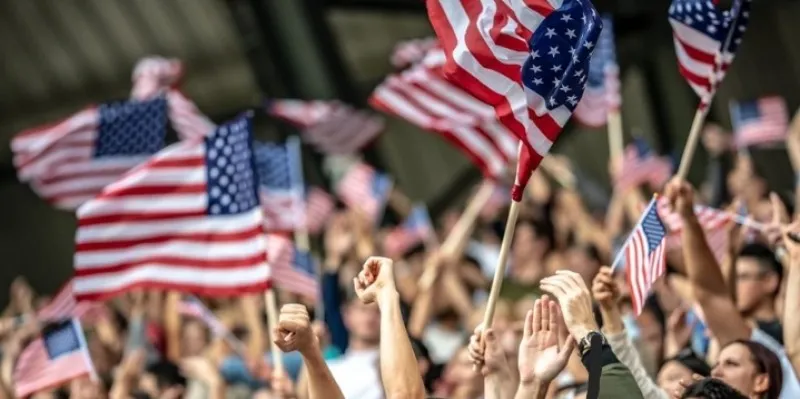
(628,355)
(791,387)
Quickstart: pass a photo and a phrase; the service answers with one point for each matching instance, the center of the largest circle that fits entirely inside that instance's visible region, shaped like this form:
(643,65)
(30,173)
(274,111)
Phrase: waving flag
(71,161)
(60,355)
(641,165)
(281,184)
(713,221)
(365,190)
(422,96)
(192,307)
(491,44)
(759,122)
(602,90)
(410,52)
(64,306)
(644,255)
(706,40)
(416,229)
(319,208)
(292,269)
(189,219)
(330,126)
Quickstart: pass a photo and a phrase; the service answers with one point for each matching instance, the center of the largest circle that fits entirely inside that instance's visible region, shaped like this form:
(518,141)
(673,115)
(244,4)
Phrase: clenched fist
(375,278)
(294,331)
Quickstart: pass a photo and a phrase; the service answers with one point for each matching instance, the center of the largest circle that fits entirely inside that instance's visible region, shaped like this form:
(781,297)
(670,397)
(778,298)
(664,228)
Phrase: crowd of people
(713,327)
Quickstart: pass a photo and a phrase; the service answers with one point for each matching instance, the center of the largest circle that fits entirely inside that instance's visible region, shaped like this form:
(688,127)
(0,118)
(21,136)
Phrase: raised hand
(604,289)
(486,351)
(681,196)
(780,217)
(338,239)
(375,278)
(678,333)
(294,332)
(546,345)
(575,301)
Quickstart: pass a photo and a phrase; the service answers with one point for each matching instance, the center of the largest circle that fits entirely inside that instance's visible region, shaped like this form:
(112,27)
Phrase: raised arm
(399,371)
(791,308)
(704,273)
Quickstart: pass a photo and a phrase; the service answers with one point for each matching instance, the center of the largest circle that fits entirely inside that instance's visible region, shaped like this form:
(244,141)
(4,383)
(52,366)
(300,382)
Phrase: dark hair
(766,363)
(711,388)
(167,374)
(766,260)
(543,229)
(687,358)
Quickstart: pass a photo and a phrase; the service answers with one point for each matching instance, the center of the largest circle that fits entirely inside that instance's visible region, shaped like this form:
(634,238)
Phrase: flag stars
(578,73)
(556,68)
(553,51)
(536,68)
(572,100)
(534,54)
(588,44)
(571,33)
(550,33)
(565,89)
(566,18)
(537,81)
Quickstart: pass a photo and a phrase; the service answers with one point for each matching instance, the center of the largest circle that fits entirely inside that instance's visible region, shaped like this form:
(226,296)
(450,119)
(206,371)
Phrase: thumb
(566,350)
(489,336)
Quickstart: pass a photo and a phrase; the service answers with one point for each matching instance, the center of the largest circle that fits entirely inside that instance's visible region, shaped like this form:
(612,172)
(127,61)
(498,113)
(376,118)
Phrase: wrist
(387,296)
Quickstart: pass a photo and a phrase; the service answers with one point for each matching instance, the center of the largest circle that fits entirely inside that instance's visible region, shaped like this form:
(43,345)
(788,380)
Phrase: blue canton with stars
(278,165)
(230,169)
(62,339)
(560,48)
(128,128)
(304,262)
(604,56)
(703,16)
(653,228)
(381,185)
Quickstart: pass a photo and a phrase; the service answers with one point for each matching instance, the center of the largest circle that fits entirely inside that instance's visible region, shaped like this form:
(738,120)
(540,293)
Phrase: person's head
(194,338)
(363,322)
(651,328)
(711,388)
(160,378)
(533,238)
(758,278)
(584,260)
(681,367)
(751,368)
(459,372)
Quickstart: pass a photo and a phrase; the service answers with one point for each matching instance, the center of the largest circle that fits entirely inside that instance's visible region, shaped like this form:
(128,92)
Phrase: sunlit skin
(670,375)
(736,368)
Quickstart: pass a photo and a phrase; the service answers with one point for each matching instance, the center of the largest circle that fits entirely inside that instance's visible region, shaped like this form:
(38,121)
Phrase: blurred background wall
(59,56)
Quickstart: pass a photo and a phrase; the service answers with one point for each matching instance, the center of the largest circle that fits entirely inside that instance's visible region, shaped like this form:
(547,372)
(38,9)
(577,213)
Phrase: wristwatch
(586,342)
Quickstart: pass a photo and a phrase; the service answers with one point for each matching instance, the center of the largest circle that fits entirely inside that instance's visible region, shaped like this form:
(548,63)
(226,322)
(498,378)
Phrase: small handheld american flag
(70,162)
(189,219)
(319,208)
(293,270)
(644,255)
(64,306)
(60,355)
(281,184)
(641,165)
(365,190)
(759,122)
(706,40)
(416,229)
(713,221)
(602,88)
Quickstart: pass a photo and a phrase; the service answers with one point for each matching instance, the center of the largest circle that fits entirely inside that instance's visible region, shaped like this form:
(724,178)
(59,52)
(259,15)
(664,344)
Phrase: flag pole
(271,308)
(615,139)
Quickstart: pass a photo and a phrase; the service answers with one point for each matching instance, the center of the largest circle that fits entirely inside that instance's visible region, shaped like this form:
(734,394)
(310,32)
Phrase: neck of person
(764,311)
(360,345)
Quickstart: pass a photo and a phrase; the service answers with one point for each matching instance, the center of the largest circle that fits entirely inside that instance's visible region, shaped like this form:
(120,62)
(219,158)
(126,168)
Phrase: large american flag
(64,306)
(422,96)
(330,126)
(641,165)
(319,208)
(58,356)
(281,184)
(292,269)
(759,122)
(365,190)
(644,255)
(528,60)
(713,221)
(189,219)
(416,229)
(706,40)
(602,93)
(70,162)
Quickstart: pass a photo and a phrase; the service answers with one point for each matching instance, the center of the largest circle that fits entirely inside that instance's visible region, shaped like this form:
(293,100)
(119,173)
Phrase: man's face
(363,321)
(753,284)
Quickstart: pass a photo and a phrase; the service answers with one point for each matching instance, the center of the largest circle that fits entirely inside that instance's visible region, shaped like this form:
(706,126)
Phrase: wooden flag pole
(502,262)
(691,141)
(271,308)
(615,140)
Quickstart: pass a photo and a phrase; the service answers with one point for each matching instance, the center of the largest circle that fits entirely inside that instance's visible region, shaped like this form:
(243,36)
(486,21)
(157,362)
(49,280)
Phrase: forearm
(612,320)
(399,371)
(701,265)
(536,390)
(320,380)
(499,385)
(791,314)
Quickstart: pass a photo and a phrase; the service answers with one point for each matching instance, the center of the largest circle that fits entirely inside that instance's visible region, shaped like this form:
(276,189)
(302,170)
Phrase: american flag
(292,269)
(330,126)
(644,255)
(641,165)
(758,122)
(188,219)
(319,208)
(64,306)
(713,221)
(706,40)
(422,96)
(528,60)
(70,162)
(192,307)
(416,229)
(281,184)
(58,356)
(602,90)
(499,199)
(365,190)
(410,52)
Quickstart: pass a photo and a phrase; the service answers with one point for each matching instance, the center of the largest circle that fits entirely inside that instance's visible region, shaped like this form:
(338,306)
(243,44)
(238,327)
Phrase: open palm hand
(546,345)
